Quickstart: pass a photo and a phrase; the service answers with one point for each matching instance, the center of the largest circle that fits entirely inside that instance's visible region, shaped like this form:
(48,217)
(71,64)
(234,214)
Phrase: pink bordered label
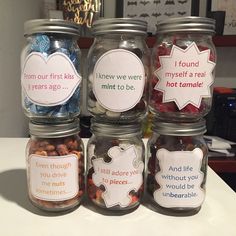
(49,81)
(120,176)
(185,76)
(118,80)
(180,178)
(54,178)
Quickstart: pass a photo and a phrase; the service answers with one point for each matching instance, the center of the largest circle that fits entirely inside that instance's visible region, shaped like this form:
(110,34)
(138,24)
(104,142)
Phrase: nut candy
(55,166)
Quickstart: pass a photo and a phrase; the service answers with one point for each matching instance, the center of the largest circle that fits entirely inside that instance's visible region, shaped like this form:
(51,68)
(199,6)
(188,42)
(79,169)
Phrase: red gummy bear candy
(162,50)
(166,107)
(212,56)
(190,109)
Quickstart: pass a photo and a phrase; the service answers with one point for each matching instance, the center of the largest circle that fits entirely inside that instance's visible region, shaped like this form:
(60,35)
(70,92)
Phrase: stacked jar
(50,79)
(118,70)
(183,62)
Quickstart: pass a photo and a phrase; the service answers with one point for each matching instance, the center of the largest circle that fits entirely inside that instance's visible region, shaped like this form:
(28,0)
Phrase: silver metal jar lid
(54,130)
(187,24)
(180,129)
(114,129)
(51,26)
(119,25)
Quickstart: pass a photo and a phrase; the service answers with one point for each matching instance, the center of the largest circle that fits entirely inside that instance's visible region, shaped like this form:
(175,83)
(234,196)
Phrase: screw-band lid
(54,130)
(119,25)
(187,24)
(99,127)
(179,129)
(51,26)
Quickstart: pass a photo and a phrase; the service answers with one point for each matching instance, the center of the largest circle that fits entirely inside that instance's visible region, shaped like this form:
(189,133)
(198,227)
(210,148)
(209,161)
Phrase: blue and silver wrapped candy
(47,37)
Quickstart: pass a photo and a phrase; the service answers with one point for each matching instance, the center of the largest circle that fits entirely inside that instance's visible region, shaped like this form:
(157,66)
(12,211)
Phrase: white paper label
(118,80)
(185,76)
(49,81)
(180,178)
(120,176)
(54,178)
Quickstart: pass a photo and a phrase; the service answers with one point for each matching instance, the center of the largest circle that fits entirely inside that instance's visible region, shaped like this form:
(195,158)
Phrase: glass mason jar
(177,167)
(118,69)
(115,166)
(183,62)
(50,64)
(55,166)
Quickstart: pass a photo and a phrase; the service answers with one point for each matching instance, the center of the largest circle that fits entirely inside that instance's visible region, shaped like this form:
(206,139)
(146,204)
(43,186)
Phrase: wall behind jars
(226,57)
(13,13)
(226,67)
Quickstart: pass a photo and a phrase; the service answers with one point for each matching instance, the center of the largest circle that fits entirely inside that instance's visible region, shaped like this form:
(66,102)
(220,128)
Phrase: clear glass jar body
(123,79)
(51,77)
(176,173)
(113,183)
(55,172)
(185,93)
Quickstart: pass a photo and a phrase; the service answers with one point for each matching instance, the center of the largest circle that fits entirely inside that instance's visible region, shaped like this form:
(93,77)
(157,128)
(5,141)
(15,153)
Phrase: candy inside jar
(51,71)
(177,167)
(183,62)
(115,166)
(55,166)
(118,70)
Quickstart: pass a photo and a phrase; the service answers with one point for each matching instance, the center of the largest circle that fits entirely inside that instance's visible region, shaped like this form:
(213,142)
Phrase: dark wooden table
(223,164)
